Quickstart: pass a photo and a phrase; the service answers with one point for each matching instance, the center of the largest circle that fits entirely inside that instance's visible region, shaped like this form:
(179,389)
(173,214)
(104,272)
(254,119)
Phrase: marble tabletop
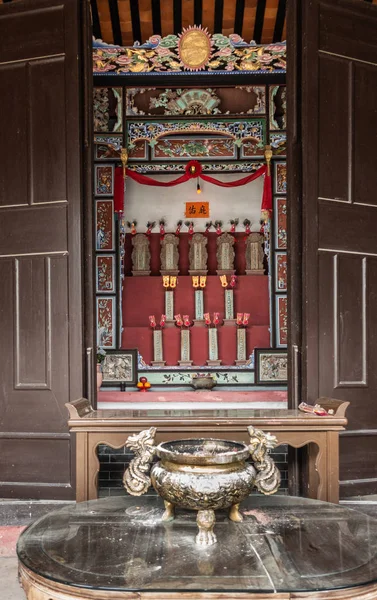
(284,544)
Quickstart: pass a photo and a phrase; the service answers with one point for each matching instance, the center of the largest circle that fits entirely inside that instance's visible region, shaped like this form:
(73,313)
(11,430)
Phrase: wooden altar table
(292,427)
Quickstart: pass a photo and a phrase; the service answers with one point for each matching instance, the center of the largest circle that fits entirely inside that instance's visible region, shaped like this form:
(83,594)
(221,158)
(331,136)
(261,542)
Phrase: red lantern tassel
(118,190)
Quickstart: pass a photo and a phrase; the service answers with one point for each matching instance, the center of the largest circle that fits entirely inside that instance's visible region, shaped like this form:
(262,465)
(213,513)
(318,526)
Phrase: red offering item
(233,281)
(179,227)
(162,320)
(247,225)
(190,226)
(218,227)
(314,410)
(216,318)
(152,321)
(143,384)
(207,318)
(150,226)
(246,318)
(239,319)
(186,320)
(178,320)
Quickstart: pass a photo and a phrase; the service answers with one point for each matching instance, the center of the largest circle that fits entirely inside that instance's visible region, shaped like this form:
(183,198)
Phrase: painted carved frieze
(278,107)
(107,109)
(169,254)
(220,167)
(176,148)
(250,133)
(195,49)
(240,100)
(141,256)
(198,254)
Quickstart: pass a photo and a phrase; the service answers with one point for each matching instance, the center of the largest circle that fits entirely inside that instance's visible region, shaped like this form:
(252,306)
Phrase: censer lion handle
(136,478)
(268,476)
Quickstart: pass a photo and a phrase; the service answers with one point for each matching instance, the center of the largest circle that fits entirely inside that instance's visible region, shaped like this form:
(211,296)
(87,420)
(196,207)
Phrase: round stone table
(118,548)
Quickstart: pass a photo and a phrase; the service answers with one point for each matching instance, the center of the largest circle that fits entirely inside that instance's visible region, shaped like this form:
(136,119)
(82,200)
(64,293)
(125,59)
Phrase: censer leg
(206,520)
(169,511)
(234,513)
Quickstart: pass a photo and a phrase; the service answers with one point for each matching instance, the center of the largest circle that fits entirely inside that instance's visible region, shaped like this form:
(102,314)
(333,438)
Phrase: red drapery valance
(193,170)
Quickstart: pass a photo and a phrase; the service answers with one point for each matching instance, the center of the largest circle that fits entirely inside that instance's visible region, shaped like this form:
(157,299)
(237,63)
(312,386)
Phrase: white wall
(148,203)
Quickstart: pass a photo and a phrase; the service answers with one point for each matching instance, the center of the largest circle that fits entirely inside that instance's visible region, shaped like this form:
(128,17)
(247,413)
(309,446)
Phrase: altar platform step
(258,399)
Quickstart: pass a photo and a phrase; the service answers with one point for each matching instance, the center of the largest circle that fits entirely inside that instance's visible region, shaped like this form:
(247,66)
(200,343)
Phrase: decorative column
(228,298)
(229,305)
(213,346)
(185,325)
(199,283)
(158,354)
(242,322)
(170,283)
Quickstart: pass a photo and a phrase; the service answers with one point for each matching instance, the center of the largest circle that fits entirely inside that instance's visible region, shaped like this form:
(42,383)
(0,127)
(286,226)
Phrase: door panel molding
(41,255)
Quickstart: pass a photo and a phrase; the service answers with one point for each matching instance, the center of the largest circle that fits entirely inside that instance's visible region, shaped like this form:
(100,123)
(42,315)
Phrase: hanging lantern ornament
(124,160)
(233,225)
(198,188)
(150,226)
(179,227)
(218,225)
(193,168)
(132,225)
(162,228)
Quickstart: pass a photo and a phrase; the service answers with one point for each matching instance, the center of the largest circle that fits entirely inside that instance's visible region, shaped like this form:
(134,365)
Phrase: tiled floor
(11,589)
(27,512)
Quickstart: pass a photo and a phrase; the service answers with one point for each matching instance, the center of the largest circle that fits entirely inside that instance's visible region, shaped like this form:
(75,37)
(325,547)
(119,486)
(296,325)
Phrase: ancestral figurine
(169,254)
(141,256)
(225,254)
(198,255)
(254,254)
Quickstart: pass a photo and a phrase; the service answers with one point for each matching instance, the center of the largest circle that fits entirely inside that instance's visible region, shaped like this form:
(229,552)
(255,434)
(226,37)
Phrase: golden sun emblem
(194,48)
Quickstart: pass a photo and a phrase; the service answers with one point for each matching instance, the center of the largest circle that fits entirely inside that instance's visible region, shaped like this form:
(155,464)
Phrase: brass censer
(202,474)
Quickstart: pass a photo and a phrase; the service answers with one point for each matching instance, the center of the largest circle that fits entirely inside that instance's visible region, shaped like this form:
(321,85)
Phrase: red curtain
(196,172)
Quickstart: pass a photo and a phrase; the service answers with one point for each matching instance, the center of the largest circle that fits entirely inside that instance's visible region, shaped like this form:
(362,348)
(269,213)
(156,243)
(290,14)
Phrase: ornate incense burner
(202,474)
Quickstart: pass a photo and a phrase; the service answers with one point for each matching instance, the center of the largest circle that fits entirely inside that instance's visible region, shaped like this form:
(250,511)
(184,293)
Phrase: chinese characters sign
(197,210)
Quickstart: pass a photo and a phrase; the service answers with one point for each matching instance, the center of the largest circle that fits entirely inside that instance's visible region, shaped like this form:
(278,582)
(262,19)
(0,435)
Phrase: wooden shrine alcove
(331,208)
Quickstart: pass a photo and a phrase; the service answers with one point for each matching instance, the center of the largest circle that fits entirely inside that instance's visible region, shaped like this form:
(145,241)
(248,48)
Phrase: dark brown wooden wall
(40,246)
(339,81)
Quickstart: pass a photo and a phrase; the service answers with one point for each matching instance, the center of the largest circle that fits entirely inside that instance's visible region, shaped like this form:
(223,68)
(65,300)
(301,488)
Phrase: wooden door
(333,120)
(41,244)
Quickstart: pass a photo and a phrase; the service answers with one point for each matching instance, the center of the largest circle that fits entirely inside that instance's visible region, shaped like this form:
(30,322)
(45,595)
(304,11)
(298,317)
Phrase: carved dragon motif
(268,476)
(136,478)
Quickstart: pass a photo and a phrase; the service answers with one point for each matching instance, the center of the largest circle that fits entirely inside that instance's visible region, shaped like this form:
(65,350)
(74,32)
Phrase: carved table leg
(169,511)
(206,520)
(234,513)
